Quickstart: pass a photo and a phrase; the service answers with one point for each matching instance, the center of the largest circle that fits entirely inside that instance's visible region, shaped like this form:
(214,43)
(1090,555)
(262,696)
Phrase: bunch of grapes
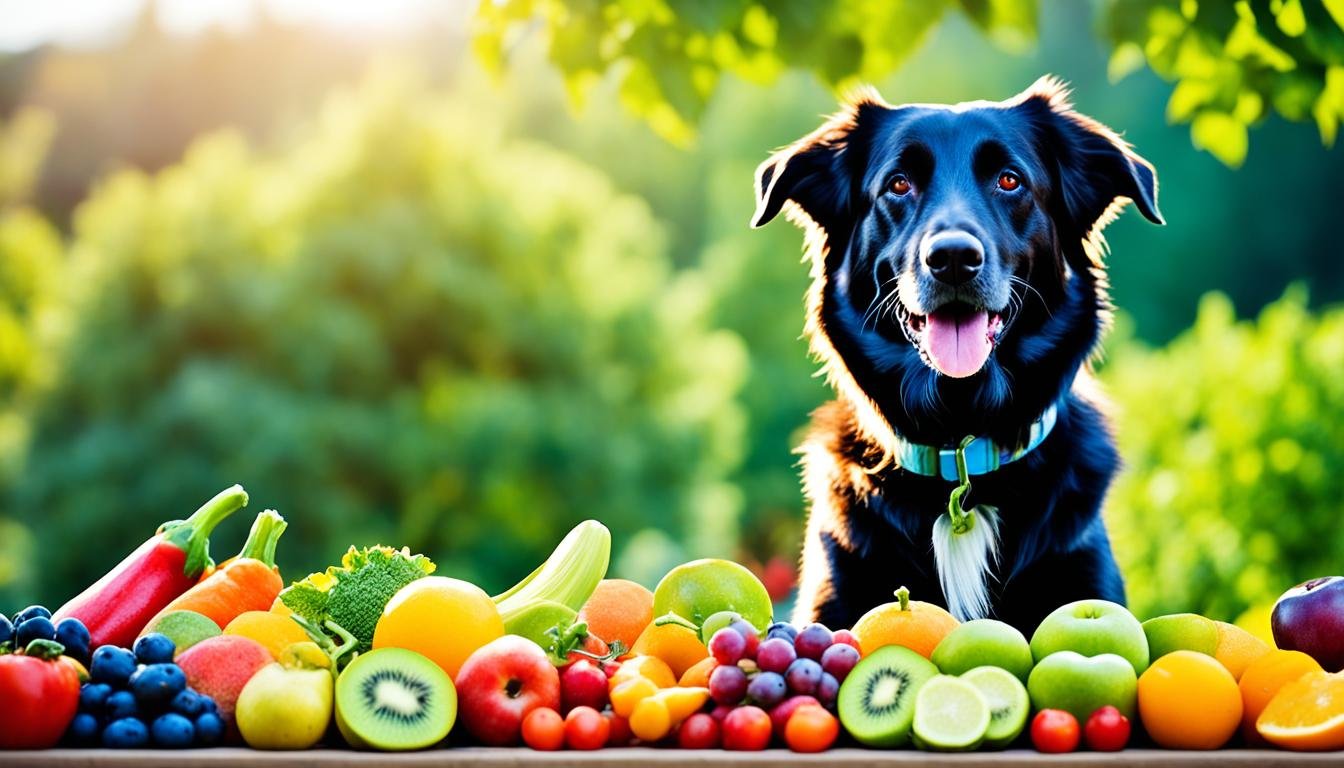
(787,664)
(135,698)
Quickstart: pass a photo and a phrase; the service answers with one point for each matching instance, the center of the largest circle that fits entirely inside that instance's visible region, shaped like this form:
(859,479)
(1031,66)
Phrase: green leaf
(1221,135)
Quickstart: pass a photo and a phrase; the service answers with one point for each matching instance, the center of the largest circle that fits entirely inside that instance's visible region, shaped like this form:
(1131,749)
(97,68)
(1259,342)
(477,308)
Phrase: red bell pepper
(118,605)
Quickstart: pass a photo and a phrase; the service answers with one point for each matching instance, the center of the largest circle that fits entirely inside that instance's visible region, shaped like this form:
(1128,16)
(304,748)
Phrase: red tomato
(1054,730)
(38,699)
(811,729)
(746,729)
(543,729)
(699,731)
(586,728)
(618,730)
(1107,730)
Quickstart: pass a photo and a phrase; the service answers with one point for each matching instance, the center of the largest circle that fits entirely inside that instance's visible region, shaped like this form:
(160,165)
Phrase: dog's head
(949,241)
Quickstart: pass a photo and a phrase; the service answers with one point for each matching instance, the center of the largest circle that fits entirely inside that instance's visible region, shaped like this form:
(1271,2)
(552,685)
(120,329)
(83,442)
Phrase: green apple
(1092,627)
(1081,684)
(1180,632)
(697,590)
(984,643)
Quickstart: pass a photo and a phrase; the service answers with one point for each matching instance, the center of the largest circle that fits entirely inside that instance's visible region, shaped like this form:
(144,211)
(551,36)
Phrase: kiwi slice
(1009,704)
(877,699)
(950,714)
(394,699)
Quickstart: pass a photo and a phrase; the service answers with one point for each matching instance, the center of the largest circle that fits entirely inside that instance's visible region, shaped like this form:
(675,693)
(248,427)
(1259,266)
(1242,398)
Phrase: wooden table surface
(480,757)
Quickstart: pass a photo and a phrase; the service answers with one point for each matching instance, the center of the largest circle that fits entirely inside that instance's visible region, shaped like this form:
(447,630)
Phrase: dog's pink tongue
(957,342)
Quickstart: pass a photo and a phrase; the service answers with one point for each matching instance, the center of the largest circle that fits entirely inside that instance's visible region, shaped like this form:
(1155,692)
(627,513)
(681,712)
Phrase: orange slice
(1306,714)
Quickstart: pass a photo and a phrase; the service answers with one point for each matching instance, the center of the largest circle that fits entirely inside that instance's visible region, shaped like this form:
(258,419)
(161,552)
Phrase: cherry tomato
(1106,730)
(543,729)
(811,729)
(618,730)
(586,728)
(699,731)
(746,729)
(1054,731)
(38,698)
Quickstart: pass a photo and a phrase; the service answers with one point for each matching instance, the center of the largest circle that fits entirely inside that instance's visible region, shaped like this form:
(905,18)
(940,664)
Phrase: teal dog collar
(982,454)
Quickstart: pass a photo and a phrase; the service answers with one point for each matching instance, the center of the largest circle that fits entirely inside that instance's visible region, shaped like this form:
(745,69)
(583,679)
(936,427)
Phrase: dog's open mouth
(956,338)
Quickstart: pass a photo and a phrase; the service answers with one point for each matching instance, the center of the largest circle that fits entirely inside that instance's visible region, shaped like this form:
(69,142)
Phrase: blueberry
(209,728)
(112,665)
(6,629)
(154,648)
(31,612)
(74,636)
(92,697)
(36,628)
(188,703)
(157,683)
(121,704)
(173,731)
(83,729)
(126,733)
(208,703)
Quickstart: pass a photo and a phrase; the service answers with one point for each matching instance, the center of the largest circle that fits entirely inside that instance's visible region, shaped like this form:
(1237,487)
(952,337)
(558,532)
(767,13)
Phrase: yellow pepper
(656,715)
(649,667)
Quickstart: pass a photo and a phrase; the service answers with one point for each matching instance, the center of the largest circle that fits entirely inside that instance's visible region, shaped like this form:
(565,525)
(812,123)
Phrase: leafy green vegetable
(354,593)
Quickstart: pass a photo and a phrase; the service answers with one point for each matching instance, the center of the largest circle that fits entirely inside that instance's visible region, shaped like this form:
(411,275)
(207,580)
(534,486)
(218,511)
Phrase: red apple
(500,683)
(582,684)
(1310,618)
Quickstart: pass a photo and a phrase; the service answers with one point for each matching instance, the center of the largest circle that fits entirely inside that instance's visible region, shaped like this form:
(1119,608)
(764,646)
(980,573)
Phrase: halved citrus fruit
(1306,714)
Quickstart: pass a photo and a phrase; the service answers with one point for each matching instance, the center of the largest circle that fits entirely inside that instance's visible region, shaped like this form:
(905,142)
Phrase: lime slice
(1008,703)
(950,714)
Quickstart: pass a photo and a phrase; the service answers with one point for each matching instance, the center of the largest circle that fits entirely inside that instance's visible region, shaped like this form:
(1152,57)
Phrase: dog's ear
(817,172)
(1095,167)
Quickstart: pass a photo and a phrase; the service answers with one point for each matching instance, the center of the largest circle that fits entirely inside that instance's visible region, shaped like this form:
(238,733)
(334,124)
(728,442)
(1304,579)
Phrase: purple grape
(727,646)
(727,685)
(812,641)
(775,655)
(750,634)
(803,676)
(782,629)
(827,688)
(767,689)
(838,660)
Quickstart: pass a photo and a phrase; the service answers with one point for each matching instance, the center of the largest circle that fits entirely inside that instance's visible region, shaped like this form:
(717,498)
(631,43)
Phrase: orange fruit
(618,609)
(1306,714)
(678,646)
(1237,648)
(916,625)
(698,674)
(1263,678)
(1188,700)
(274,631)
(441,618)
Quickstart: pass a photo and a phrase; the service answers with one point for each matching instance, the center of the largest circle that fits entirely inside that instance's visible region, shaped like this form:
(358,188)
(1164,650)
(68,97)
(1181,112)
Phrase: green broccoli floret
(354,593)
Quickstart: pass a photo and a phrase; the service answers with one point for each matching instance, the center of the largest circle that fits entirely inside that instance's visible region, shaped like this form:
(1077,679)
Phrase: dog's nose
(953,257)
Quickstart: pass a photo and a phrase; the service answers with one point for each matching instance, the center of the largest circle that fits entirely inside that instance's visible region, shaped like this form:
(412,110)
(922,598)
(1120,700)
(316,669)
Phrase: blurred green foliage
(1234,486)
(402,330)
(1232,61)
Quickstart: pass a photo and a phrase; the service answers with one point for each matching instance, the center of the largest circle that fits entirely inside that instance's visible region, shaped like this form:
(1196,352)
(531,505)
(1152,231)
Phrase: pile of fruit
(170,650)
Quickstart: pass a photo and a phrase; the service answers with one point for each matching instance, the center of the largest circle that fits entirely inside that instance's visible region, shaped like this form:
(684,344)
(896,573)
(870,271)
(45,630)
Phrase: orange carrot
(248,582)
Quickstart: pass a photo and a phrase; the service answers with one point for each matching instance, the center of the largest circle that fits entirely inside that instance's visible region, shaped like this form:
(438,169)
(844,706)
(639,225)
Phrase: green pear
(287,704)
(1080,685)
(1180,632)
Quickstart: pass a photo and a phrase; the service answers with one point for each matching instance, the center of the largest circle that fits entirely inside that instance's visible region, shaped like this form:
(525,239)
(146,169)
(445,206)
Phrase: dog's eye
(1009,181)
(900,185)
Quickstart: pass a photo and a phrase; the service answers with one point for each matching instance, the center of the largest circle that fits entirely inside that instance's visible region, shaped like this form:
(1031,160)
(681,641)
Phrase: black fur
(870,522)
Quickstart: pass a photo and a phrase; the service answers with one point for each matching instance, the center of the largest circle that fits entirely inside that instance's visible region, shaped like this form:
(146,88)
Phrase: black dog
(958,290)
